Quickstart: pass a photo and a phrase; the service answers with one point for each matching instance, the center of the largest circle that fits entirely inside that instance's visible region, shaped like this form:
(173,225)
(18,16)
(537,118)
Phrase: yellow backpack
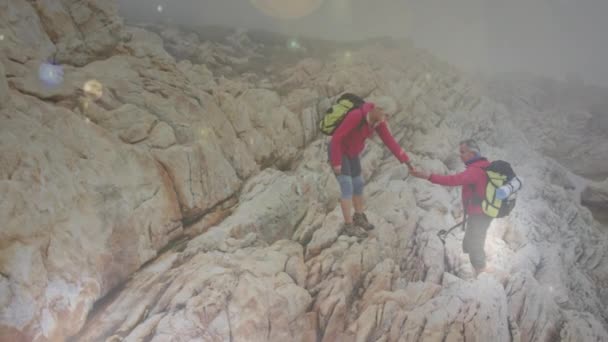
(336,114)
(499,173)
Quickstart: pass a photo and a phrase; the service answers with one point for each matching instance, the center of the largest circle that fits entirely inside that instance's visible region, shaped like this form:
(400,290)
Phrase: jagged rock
(464,311)
(198,75)
(142,43)
(57,264)
(310,223)
(595,196)
(24,35)
(564,122)
(442,144)
(4,92)
(244,295)
(269,206)
(200,174)
(241,41)
(56,19)
(279,124)
(161,136)
(538,316)
(580,326)
(131,123)
(299,99)
(302,75)
(94,185)
(239,114)
(235,149)
(357,79)
(327,234)
(93,31)
(180,44)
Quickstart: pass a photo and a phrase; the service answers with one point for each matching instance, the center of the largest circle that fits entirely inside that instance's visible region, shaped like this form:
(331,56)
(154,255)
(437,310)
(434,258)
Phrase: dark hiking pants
(475,239)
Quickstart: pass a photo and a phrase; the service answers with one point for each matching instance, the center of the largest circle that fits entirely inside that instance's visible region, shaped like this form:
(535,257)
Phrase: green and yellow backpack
(336,113)
(499,173)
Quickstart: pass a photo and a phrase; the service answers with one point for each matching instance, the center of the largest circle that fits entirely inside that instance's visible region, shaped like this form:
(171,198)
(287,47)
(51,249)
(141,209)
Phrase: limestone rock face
(92,34)
(565,121)
(4,90)
(173,186)
(81,212)
(24,35)
(595,196)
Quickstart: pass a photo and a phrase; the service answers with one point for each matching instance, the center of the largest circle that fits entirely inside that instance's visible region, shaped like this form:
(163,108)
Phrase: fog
(556,38)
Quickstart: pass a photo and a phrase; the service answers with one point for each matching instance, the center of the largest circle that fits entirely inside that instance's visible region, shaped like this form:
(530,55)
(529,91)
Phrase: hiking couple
(348,136)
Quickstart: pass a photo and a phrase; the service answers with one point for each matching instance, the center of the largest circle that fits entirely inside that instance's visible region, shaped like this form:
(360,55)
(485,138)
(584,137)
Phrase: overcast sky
(549,37)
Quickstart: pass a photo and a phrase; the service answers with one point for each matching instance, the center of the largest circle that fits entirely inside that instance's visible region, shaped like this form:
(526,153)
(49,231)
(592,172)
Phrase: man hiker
(473,181)
(345,147)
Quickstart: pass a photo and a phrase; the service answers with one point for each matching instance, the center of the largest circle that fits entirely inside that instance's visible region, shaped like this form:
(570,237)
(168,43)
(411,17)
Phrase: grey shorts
(350,166)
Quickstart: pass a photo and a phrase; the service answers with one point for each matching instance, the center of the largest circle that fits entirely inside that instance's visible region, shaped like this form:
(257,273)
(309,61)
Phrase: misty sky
(548,37)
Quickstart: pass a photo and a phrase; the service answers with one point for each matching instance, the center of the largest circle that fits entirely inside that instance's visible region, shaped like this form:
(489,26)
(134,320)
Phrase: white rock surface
(191,203)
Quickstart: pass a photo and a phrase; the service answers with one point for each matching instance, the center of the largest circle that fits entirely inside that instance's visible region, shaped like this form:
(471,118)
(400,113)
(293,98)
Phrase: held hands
(409,166)
(417,173)
(420,174)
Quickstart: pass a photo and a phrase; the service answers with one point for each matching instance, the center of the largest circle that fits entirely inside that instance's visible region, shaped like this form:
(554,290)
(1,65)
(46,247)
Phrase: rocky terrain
(566,121)
(173,187)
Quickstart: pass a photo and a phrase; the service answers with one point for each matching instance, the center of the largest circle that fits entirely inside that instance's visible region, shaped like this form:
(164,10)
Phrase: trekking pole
(442,234)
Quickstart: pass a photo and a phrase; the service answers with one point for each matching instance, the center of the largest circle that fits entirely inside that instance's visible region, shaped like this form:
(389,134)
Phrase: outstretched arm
(391,143)
(463,178)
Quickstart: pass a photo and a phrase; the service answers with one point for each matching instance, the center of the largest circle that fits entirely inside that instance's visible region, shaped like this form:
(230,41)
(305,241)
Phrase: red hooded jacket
(349,137)
(473,181)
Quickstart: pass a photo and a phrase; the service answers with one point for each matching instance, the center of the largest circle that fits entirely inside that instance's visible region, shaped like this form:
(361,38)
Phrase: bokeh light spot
(93,89)
(50,74)
(159,8)
(293,44)
(284,9)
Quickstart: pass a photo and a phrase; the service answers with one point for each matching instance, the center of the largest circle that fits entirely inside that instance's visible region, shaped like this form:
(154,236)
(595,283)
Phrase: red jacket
(349,137)
(473,181)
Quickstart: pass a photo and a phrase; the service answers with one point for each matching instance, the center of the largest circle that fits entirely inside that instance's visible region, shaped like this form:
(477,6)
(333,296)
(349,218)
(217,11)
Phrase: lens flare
(293,44)
(283,9)
(50,74)
(93,89)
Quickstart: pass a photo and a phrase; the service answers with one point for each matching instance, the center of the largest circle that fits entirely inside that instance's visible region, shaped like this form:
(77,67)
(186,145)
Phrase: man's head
(469,150)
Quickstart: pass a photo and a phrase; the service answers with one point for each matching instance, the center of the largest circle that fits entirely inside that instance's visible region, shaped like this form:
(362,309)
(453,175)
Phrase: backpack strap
(362,122)
(476,199)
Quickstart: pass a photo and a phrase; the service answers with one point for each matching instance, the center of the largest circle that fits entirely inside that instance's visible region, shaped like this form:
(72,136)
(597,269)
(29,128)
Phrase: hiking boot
(359,219)
(352,230)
